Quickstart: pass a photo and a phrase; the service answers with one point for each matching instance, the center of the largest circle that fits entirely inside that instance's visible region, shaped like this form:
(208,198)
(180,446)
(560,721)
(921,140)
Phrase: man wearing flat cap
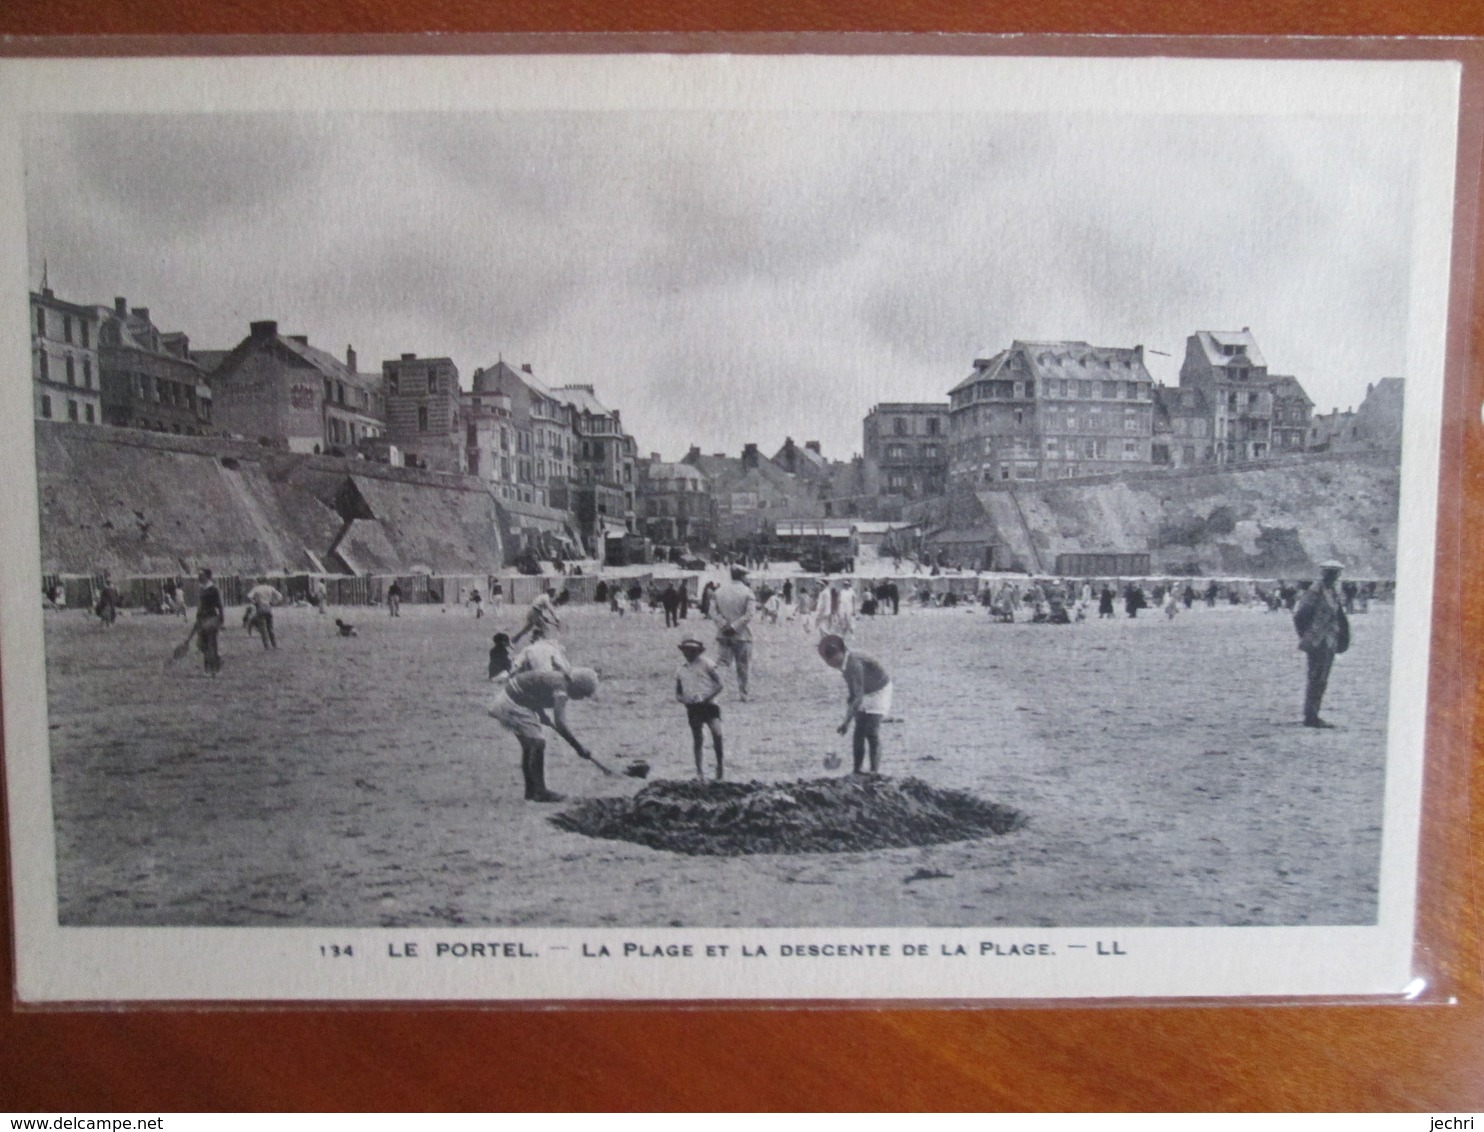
(1324,632)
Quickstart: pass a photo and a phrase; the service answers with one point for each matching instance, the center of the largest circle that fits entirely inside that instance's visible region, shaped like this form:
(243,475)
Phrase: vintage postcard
(705,527)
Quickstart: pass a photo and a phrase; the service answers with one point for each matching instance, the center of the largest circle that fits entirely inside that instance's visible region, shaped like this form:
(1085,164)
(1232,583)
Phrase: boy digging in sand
(697,684)
(868,697)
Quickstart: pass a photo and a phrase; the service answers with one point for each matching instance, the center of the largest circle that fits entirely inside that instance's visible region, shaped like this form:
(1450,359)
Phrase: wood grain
(1311,1057)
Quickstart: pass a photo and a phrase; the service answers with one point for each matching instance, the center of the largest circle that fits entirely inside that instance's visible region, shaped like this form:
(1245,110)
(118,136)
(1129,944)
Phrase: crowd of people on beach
(535,682)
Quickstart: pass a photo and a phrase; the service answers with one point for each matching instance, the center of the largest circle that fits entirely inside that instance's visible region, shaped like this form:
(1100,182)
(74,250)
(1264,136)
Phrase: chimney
(302,339)
(750,456)
(409,357)
(525,367)
(141,313)
(265,329)
(1246,330)
(654,458)
(1139,353)
(120,306)
(693,455)
(813,446)
(350,358)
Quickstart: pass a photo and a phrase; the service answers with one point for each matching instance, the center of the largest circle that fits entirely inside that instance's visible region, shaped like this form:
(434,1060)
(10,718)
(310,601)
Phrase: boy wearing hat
(697,684)
(868,697)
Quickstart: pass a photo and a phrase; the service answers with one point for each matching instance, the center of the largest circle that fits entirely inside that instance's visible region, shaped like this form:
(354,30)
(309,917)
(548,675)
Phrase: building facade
(905,449)
(540,430)
(1292,411)
(1182,428)
(66,382)
(602,467)
(1229,369)
(423,412)
(280,391)
(150,379)
(751,493)
(1051,410)
(674,503)
(490,443)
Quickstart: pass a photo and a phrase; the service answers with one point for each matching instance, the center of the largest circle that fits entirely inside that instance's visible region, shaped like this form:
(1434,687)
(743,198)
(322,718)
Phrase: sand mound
(821,815)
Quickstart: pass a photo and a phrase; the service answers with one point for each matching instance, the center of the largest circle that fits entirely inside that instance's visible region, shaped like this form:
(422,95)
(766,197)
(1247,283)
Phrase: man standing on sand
(1324,632)
(868,698)
(394,599)
(210,615)
(261,600)
(530,701)
(732,608)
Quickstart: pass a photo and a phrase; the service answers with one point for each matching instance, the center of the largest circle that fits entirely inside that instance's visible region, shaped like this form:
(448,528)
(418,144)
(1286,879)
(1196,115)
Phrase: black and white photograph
(720,527)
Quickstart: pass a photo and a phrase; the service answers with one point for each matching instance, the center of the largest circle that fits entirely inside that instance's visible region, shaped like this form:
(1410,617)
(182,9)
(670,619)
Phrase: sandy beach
(360,782)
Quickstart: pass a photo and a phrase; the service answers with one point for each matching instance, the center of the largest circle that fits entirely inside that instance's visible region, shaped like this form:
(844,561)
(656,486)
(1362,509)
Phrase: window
(896,451)
(85,343)
(898,427)
(1066,388)
(43,366)
(71,410)
(1020,416)
(46,406)
(67,329)
(1110,390)
(87,372)
(1084,389)
(1130,449)
(422,418)
(1130,420)
(432,383)
(1019,391)
(71,371)
(391,383)
(87,411)
(933,425)
(41,322)
(931,451)
(340,393)
(1187,454)
(1131,390)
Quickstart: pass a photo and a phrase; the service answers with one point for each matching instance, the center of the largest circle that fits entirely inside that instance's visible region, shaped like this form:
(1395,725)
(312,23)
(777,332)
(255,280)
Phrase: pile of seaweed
(821,815)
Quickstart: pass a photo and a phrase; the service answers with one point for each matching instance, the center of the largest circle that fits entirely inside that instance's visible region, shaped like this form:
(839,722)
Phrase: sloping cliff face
(1270,521)
(139,503)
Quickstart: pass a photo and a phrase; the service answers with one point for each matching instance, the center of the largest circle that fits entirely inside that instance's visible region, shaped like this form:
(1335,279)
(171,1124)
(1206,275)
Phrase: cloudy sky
(730,277)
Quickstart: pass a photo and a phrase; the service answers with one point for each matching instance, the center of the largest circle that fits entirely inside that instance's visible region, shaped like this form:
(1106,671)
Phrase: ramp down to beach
(139,503)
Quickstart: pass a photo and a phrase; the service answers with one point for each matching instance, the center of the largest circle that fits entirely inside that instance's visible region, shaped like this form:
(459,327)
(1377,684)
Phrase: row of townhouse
(95,364)
(1053,410)
(557,457)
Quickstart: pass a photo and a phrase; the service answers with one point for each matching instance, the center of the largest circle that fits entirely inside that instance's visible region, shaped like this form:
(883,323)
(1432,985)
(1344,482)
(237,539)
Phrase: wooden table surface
(1310,1057)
